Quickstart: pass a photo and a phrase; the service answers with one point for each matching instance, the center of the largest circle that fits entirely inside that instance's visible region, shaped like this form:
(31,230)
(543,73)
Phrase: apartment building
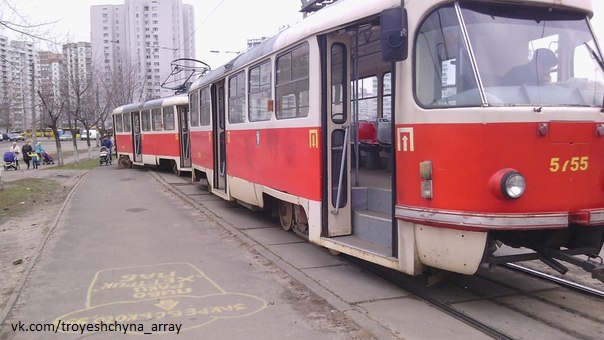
(142,37)
(19,71)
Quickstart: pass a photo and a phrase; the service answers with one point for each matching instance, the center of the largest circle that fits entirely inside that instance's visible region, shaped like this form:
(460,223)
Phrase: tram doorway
(219,137)
(136,138)
(358,125)
(185,141)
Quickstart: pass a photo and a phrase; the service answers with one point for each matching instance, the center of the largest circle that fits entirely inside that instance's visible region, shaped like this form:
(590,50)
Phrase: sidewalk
(128,253)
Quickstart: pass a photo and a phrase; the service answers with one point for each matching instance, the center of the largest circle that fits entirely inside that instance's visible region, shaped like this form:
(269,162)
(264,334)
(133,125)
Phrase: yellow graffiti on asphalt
(169,293)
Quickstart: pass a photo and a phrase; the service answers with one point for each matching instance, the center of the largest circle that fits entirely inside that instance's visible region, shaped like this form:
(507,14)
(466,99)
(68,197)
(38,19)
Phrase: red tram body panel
(123,143)
(201,142)
(161,144)
(287,159)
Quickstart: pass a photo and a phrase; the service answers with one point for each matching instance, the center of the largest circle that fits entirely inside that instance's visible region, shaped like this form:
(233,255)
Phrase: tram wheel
(124,162)
(286,215)
(175,169)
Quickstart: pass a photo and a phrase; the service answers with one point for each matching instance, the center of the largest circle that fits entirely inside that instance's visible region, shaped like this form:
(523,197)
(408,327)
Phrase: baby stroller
(104,158)
(46,159)
(10,161)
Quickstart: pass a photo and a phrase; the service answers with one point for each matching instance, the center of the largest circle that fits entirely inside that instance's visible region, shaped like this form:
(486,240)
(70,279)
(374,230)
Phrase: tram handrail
(342,163)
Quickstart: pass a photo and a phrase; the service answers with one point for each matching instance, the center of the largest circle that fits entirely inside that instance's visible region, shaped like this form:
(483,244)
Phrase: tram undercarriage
(552,247)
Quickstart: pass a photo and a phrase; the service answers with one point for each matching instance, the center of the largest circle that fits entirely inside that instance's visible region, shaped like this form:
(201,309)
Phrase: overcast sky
(221,25)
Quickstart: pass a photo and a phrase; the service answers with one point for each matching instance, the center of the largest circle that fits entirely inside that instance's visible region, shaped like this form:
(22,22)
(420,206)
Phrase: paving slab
(366,287)
(305,255)
(273,235)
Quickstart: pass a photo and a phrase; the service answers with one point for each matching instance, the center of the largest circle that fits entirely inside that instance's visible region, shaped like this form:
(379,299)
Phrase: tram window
(127,122)
(387,96)
(119,127)
(237,98)
(260,92)
(156,120)
(146,120)
(205,105)
(194,110)
(367,98)
(443,73)
(338,83)
(169,118)
(292,84)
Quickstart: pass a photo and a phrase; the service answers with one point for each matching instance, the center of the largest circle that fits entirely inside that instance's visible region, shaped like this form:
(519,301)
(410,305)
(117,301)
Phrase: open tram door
(185,141)
(137,156)
(358,89)
(337,131)
(219,136)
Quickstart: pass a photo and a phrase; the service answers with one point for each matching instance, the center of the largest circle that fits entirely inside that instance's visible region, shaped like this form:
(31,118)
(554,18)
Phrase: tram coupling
(549,256)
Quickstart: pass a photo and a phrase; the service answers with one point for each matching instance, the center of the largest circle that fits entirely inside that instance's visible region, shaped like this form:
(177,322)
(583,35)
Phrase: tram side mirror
(393,24)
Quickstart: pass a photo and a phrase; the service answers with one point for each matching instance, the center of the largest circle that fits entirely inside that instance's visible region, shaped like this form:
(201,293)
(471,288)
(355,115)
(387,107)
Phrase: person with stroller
(27,151)
(106,142)
(16,150)
(11,162)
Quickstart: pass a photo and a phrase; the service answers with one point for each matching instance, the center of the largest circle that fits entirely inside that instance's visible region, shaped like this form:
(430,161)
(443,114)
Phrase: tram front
(506,130)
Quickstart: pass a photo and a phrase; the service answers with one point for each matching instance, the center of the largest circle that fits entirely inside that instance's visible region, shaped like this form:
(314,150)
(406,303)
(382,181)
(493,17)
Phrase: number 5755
(573,164)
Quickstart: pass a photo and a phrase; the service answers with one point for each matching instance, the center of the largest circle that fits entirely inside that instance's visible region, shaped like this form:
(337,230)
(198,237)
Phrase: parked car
(93,135)
(13,137)
(66,135)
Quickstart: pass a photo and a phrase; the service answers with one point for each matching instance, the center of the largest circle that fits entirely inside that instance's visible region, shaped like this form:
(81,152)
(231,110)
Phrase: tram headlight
(507,184)
(513,184)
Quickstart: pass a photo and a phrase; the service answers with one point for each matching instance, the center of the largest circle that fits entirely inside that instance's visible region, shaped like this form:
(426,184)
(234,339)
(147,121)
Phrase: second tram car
(154,132)
(423,135)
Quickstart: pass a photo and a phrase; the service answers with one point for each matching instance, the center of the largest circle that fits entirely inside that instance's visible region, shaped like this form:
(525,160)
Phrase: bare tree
(123,84)
(76,89)
(53,109)
(7,105)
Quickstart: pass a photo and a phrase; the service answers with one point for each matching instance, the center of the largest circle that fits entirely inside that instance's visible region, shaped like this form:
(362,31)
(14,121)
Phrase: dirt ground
(20,236)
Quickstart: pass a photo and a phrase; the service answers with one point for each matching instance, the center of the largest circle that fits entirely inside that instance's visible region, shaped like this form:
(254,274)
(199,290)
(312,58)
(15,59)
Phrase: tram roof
(180,99)
(340,14)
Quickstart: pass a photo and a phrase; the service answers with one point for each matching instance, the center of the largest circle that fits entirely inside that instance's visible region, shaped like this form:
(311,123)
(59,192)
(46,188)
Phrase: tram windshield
(516,56)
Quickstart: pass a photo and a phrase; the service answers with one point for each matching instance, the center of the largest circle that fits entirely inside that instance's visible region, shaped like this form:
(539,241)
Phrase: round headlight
(513,184)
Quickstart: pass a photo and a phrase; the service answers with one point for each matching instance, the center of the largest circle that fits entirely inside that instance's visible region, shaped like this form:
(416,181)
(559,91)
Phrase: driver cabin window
(444,76)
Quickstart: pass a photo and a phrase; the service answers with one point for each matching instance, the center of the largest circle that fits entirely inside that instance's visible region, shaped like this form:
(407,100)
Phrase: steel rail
(562,282)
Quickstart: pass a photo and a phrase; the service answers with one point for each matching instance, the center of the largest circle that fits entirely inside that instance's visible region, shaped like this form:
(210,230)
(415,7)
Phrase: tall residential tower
(142,38)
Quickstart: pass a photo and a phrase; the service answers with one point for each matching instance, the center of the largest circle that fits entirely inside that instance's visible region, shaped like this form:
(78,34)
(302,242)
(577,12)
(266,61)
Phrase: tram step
(374,199)
(373,226)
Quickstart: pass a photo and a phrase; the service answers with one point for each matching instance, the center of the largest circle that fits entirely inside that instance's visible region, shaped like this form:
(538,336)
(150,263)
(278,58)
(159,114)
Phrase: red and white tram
(154,132)
(419,135)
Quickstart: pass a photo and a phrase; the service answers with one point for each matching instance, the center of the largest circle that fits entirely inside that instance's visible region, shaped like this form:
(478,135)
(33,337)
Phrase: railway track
(434,296)
(416,287)
(562,282)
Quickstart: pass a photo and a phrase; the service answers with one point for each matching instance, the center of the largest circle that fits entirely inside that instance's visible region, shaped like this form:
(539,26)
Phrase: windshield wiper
(595,55)
(600,62)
